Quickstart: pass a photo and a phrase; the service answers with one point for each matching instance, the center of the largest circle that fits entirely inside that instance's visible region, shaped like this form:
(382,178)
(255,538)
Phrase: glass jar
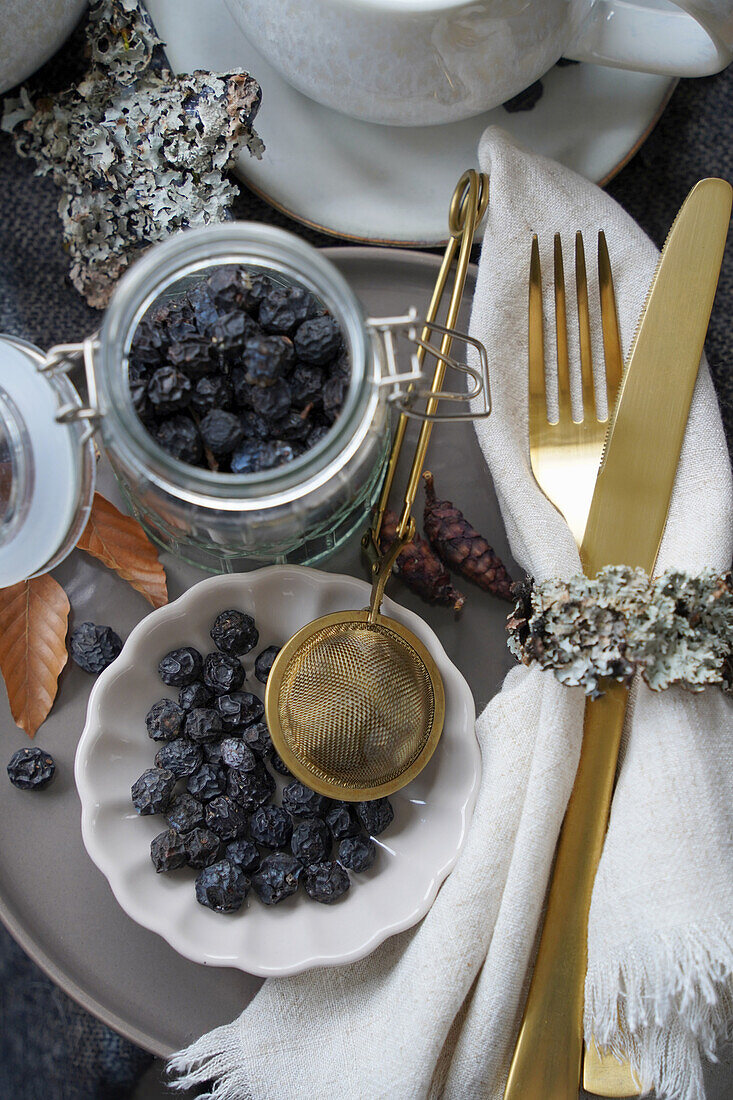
(298,512)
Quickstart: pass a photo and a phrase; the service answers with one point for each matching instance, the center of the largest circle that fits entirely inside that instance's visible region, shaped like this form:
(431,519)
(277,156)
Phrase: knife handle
(547,1058)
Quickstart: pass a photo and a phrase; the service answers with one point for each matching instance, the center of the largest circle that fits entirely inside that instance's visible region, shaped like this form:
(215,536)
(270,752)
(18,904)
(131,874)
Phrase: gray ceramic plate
(52,897)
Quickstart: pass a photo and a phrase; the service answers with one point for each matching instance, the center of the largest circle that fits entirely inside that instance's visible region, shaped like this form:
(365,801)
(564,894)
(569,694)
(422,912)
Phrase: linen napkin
(434,1011)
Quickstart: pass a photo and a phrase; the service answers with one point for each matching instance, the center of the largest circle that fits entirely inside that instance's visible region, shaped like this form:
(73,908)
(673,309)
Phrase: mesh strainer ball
(355,705)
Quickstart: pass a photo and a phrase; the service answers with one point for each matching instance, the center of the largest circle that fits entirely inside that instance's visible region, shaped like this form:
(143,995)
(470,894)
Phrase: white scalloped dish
(416,853)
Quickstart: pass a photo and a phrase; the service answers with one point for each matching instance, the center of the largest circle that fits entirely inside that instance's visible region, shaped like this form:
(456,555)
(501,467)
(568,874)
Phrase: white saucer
(391,184)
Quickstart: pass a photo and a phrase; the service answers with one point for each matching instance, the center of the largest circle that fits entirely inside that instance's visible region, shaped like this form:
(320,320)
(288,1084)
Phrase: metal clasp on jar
(409,388)
(60,359)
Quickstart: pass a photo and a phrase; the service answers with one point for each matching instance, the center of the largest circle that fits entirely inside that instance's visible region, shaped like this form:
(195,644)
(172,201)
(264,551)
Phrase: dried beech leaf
(120,543)
(33,619)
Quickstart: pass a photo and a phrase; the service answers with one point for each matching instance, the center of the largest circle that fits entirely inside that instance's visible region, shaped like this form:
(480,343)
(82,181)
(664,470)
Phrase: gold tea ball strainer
(355,703)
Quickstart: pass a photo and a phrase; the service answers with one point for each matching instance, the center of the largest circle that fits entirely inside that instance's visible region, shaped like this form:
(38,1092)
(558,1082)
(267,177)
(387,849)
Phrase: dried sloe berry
(271,826)
(227,285)
(257,287)
(236,754)
(326,881)
(179,436)
(226,818)
(201,301)
(181,667)
(306,383)
(272,401)
(278,764)
(221,431)
(31,769)
(319,432)
(284,308)
(190,351)
(333,397)
(152,792)
(169,390)
(277,878)
(253,457)
(247,457)
(184,813)
(244,854)
(376,815)
(222,887)
(94,647)
(212,752)
(167,851)
(203,724)
(265,661)
(231,331)
(223,674)
(202,847)
(250,789)
(357,853)
(234,633)
(301,801)
(238,709)
(181,757)
(195,695)
(257,737)
(207,782)
(342,822)
(294,427)
(317,341)
(267,358)
(311,841)
(164,720)
(213,391)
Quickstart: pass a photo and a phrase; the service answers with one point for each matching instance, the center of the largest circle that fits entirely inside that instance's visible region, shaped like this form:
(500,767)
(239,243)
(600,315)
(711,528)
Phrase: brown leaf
(33,619)
(120,543)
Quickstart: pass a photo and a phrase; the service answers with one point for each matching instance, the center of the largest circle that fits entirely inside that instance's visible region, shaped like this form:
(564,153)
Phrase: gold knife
(625,526)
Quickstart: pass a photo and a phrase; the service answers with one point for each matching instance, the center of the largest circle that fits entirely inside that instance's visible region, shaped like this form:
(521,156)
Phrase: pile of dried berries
(212,784)
(238,373)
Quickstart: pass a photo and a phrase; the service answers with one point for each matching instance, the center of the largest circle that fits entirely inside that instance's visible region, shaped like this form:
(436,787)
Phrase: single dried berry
(357,853)
(277,878)
(207,782)
(342,822)
(235,754)
(167,851)
(223,674)
(257,736)
(278,764)
(250,789)
(311,840)
(213,391)
(420,567)
(376,815)
(190,351)
(461,547)
(244,854)
(94,647)
(334,393)
(179,436)
(318,433)
(231,332)
(255,426)
(181,667)
(239,709)
(267,358)
(222,887)
(203,724)
(226,818)
(184,813)
(284,308)
(181,757)
(164,720)
(226,283)
(202,847)
(257,287)
(301,801)
(195,695)
(306,383)
(31,769)
(212,752)
(221,431)
(295,427)
(265,661)
(234,633)
(271,827)
(169,390)
(201,301)
(152,792)
(326,881)
(272,402)
(317,341)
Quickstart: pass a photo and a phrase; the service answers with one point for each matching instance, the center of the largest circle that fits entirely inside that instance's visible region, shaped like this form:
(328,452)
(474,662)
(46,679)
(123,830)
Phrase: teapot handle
(686,38)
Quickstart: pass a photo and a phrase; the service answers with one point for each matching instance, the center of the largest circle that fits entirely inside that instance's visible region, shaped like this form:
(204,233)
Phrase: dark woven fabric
(49,1048)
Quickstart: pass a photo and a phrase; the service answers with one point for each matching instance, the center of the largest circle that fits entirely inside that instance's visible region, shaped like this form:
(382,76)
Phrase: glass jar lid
(47,468)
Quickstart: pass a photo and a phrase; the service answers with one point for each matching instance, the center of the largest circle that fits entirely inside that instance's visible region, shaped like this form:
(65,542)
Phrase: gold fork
(565,455)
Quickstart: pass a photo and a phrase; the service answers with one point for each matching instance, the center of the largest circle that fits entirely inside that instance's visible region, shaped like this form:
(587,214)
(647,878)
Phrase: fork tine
(537,400)
(609,323)
(561,330)
(586,355)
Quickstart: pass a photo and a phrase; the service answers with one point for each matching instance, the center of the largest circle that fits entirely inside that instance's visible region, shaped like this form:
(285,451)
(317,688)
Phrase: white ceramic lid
(46,470)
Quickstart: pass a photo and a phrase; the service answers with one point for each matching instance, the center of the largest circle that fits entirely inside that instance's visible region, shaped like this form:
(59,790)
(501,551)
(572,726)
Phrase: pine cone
(461,547)
(420,567)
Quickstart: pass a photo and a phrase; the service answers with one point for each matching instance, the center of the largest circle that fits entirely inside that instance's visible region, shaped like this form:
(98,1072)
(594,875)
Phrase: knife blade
(639,463)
